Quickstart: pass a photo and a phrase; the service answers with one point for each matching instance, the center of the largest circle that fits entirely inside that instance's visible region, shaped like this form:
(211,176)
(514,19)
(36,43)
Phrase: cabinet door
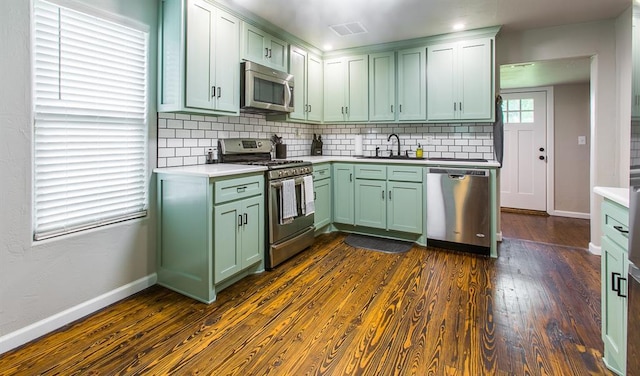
(357,106)
(405,207)
(227,59)
(475,100)
(614,307)
(382,86)
(412,85)
(298,68)
(371,204)
(334,89)
(227,225)
(200,67)
(441,97)
(343,193)
(277,58)
(252,231)
(255,44)
(314,88)
(322,191)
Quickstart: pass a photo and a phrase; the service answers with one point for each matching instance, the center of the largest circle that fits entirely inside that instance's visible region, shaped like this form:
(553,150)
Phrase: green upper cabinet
(263,48)
(412,84)
(382,86)
(346,89)
(199,73)
(460,81)
(307,74)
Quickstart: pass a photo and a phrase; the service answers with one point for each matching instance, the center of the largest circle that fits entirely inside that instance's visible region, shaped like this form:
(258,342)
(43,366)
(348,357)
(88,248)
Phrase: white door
(523,178)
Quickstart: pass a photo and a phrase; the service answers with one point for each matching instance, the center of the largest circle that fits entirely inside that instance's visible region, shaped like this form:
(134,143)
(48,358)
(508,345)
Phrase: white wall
(40,280)
(596,40)
(571,165)
(624,62)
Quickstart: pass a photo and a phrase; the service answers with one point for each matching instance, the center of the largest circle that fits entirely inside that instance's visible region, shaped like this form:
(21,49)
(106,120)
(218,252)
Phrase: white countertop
(228,169)
(615,194)
(413,161)
(211,170)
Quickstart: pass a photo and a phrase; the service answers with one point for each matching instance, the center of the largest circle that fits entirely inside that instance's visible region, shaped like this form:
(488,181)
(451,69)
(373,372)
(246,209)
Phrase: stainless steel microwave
(265,90)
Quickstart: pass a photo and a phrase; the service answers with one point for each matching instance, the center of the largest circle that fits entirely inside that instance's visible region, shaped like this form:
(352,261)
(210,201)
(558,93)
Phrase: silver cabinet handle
(460,106)
(213,91)
(246,218)
(383,195)
(309,108)
(346,110)
(455,106)
(270,53)
(391,108)
(239,220)
(389,195)
(342,110)
(400,108)
(219,91)
(266,52)
(350,177)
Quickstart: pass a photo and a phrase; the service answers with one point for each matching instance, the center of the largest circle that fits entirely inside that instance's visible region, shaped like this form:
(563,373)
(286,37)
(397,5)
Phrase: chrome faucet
(397,138)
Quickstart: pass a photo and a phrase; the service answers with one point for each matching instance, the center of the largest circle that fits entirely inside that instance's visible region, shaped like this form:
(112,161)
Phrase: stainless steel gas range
(290,213)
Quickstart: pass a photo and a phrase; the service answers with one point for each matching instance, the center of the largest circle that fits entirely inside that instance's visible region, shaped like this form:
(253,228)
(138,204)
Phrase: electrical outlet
(428,140)
(582,140)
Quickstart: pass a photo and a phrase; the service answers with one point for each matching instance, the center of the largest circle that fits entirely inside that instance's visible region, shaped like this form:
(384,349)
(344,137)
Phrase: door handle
(266,52)
(246,218)
(213,91)
(383,195)
(270,53)
(541,157)
(541,149)
(239,220)
(314,195)
(389,195)
(615,284)
(621,230)
(400,108)
(342,110)
(309,108)
(391,108)
(351,177)
(219,91)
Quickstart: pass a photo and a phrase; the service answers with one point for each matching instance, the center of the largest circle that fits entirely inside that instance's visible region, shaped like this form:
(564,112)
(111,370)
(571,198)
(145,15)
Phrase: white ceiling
(394,20)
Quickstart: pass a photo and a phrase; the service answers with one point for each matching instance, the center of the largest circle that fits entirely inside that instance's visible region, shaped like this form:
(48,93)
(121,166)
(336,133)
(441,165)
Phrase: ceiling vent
(350,28)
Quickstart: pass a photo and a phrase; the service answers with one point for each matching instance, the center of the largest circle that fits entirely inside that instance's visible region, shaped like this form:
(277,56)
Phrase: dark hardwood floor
(546,229)
(338,310)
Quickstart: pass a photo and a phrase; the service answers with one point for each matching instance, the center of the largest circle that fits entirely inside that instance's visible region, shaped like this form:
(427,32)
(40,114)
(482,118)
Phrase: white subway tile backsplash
(184,139)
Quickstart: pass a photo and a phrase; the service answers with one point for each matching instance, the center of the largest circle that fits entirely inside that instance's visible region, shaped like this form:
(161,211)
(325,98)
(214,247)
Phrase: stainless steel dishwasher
(458,209)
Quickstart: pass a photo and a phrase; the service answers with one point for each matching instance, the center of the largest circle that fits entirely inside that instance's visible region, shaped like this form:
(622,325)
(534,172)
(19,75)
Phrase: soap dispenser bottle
(419,152)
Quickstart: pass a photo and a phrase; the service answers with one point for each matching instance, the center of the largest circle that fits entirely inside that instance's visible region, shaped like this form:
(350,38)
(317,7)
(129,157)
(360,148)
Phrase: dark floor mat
(377,244)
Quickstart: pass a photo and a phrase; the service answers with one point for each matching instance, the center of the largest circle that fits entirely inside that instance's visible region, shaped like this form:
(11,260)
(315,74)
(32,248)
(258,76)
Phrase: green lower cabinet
(343,193)
(209,231)
(389,205)
(238,236)
(404,207)
(371,203)
(322,191)
(614,305)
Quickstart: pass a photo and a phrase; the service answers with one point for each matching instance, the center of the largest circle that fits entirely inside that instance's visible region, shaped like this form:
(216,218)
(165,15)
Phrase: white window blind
(90,121)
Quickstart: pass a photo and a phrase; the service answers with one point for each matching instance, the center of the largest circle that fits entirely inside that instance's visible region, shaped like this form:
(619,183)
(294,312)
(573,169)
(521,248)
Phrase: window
(518,110)
(90,116)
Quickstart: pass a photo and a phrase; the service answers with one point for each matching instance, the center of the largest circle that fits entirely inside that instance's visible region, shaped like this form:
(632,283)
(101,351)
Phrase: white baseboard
(21,336)
(595,249)
(569,214)
(499,236)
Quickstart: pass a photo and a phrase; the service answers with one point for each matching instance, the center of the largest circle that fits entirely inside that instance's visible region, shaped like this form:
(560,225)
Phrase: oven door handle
(278,184)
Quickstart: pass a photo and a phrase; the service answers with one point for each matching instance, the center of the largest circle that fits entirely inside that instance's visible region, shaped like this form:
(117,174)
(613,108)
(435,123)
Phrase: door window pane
(527,104)
(526,116)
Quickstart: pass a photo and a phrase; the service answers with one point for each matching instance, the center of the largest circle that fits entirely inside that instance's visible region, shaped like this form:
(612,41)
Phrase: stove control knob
(279,173)
(259,144)
(295,171)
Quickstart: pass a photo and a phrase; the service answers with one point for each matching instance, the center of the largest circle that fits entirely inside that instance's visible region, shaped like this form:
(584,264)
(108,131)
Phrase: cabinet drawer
(322,171)
(238,188)
(405,173)
(371,171)
(615,222)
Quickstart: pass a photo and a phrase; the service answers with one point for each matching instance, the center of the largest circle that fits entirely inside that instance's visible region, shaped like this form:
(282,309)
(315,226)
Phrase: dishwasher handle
(457,176)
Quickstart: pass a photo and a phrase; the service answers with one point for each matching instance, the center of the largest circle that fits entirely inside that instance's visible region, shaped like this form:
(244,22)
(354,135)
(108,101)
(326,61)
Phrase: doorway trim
(550,170)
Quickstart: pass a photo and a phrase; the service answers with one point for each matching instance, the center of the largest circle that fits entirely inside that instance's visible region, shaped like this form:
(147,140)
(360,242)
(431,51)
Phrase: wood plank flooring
(338,310)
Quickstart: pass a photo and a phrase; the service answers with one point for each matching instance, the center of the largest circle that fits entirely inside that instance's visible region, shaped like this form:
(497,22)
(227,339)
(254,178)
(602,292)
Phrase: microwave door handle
(288,95)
